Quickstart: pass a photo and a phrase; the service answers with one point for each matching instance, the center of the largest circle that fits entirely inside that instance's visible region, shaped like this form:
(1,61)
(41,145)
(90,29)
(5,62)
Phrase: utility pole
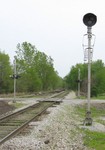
(89,20)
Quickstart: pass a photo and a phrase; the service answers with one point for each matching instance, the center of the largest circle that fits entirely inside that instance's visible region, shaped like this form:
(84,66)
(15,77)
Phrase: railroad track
(58,96)
(12,124)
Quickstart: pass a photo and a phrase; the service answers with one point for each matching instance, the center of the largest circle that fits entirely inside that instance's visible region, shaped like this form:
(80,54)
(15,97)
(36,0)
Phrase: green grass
(81,97)
(100,96)
(18,104)
(92,139)
(95,140)
(95,111)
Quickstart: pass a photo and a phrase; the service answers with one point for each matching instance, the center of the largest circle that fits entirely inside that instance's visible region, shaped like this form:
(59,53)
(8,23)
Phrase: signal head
(89,19)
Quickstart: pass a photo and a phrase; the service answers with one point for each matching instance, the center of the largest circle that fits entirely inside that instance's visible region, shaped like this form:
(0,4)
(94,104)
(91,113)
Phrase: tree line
(35,69)
(97,77)
(37,73)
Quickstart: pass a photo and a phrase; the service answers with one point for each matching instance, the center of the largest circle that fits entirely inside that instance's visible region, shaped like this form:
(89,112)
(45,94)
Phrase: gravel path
(57,131)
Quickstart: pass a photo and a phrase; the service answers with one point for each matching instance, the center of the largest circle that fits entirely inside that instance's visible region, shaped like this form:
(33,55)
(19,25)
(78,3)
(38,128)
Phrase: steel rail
(19,111)
(36,104)
(17,125)
(17,130)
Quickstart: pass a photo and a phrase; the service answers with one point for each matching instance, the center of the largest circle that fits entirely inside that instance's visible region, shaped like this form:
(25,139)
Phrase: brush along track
(14,123)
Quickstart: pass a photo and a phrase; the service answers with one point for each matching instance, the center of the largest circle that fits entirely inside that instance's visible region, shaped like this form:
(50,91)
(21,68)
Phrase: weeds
(93,139)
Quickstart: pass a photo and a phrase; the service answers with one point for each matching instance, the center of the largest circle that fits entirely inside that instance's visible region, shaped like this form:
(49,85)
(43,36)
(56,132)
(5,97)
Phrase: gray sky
(54,27)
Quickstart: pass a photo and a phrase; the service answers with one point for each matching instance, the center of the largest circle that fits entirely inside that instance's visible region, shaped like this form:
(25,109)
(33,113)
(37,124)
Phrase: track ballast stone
(58,131)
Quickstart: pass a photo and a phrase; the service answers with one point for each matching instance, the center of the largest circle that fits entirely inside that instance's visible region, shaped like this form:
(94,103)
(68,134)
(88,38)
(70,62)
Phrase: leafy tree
(36,69)
(97,77)
(5,72)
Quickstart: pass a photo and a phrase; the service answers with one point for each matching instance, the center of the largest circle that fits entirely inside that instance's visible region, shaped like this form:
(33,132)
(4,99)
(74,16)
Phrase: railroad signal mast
(14,77)
(89,20)
(78,82)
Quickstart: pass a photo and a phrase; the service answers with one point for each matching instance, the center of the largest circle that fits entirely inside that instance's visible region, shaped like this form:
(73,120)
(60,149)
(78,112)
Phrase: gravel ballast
(57,131)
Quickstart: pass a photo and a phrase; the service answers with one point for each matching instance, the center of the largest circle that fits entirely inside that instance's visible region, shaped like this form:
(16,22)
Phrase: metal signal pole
(89,20)
(88,119)
(89,66)
(14,80)
(79,83)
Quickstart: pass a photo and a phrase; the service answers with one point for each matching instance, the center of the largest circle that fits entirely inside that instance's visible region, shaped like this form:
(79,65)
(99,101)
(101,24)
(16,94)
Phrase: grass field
(93,139)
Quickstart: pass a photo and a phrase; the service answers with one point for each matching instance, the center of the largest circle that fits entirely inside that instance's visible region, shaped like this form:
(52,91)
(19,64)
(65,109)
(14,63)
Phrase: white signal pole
(14,80)
(89,20)
(89,66)
(79,83)
(88,119)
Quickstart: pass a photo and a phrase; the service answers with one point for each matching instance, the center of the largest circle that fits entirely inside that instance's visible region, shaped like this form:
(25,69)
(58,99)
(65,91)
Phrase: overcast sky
(54,27)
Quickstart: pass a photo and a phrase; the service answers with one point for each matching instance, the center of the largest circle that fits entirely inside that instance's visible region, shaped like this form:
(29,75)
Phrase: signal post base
(88,120)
